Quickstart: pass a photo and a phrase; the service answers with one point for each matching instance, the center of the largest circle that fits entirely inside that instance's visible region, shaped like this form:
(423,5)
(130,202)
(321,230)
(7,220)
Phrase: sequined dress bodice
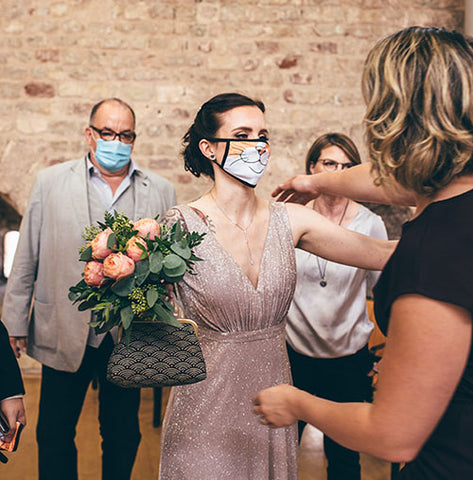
(209,431)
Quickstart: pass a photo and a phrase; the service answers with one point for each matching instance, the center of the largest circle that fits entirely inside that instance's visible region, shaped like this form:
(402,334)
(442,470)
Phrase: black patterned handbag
(157,355)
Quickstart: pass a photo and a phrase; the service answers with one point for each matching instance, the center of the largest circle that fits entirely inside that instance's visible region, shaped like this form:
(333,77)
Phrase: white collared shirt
(102,187)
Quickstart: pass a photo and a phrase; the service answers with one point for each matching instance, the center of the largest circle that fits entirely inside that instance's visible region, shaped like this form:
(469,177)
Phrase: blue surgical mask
(112,155)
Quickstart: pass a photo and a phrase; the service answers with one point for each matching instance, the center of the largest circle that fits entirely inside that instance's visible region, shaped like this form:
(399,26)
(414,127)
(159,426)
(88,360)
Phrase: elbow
(399,452)
(401,455)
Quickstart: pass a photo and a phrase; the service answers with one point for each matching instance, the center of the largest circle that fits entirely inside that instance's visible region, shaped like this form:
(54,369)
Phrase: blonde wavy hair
(418,88)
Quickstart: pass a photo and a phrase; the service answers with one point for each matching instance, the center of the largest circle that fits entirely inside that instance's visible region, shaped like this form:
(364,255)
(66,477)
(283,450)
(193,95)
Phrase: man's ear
(207,149)
(89,137)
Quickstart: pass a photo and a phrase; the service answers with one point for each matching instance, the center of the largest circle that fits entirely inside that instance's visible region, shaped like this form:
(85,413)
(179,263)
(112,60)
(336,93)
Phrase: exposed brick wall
(303,58)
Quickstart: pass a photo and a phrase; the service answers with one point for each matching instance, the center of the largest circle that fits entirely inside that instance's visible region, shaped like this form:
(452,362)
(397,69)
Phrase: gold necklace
(323,282)
(243,229)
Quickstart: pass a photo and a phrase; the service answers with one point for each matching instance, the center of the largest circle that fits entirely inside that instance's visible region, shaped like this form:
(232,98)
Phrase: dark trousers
(61,400)
(342,379)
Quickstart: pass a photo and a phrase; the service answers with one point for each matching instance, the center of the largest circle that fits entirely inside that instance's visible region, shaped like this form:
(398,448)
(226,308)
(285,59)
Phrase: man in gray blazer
(37,312)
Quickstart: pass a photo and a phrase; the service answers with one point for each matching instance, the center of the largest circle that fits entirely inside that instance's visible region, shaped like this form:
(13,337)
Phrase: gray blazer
(46,263)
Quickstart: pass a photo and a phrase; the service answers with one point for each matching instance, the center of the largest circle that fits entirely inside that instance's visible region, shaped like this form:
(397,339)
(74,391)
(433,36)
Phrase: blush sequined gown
(209,430)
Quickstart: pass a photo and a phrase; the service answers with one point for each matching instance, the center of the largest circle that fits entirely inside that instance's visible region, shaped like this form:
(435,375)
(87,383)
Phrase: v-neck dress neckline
(238,267)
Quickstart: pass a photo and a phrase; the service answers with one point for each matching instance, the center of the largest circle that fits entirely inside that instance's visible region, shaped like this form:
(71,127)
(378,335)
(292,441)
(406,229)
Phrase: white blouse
(332,321)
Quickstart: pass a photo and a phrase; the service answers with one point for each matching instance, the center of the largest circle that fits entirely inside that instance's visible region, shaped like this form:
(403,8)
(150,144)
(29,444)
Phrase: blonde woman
(418,86)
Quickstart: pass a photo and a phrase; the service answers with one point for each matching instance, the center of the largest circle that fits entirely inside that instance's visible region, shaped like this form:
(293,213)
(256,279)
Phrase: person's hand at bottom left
(14,411)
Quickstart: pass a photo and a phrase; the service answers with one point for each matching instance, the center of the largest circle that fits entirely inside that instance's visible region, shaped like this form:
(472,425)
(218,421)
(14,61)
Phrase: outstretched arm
(426,352)
(356,183)
(318,235)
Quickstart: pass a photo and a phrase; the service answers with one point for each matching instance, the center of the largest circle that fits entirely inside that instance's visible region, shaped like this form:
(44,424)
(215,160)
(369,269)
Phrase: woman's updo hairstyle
(206,124)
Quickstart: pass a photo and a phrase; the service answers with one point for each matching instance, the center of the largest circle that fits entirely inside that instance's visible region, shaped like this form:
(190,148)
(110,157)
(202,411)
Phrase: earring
(212,156)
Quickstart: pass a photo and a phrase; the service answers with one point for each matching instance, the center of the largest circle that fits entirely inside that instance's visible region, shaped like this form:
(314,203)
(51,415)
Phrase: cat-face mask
(245,160)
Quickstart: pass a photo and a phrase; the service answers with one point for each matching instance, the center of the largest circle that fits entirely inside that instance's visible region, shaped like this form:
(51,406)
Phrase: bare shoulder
(302,220)
(301,214)
(294,209)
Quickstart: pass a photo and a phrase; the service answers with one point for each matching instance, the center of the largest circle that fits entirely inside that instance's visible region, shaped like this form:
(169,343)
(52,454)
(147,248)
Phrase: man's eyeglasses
(108,135)
(332,165)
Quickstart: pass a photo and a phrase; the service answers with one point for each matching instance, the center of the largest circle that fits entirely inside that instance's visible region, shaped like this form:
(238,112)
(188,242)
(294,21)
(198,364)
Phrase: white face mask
(245,160)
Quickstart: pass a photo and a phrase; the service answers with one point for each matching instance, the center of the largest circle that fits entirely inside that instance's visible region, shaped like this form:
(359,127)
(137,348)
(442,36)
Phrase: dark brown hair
(331,139)
(206,124)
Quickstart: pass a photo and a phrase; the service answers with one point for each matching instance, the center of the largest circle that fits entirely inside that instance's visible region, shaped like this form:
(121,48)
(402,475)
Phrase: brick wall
(303,58)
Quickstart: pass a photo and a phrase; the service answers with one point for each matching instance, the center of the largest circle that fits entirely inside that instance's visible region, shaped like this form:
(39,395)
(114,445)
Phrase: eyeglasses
(332,165)
(108,135)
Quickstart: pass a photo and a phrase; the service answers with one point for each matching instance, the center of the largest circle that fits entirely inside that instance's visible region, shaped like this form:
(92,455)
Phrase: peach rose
(99,244)
(93,273)
(147,226)
(133,250)
(118,265)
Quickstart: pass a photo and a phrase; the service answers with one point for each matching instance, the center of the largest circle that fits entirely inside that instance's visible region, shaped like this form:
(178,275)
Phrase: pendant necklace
(243,229)
(323,282)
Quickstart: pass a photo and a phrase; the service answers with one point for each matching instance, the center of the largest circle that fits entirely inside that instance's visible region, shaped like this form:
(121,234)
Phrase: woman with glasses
(327,324)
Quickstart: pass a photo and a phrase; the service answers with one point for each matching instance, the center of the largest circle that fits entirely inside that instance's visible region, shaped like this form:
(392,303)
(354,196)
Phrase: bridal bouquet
(128,266)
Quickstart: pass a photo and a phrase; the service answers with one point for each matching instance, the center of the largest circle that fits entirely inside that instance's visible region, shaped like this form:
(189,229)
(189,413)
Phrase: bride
(240,296)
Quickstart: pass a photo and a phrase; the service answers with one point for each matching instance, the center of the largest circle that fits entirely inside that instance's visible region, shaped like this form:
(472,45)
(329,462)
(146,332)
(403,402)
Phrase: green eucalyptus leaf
(152,296)
(174,266)
(142,270)
(155,262)
(126,316)
(111,240)
(86,255)
(177,232)
(173,261)
(123,287)
(173,278)
(171,321)
(165,316)
(182,249)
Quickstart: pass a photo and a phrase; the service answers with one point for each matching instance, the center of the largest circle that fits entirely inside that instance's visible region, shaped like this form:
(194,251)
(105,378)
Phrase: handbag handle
(190,322)
(180,320)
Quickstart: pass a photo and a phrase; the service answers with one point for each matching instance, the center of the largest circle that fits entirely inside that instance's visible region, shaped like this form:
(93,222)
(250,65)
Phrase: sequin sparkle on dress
(209,430)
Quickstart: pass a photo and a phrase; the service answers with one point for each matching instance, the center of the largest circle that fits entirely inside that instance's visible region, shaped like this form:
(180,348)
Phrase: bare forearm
(358,184)
(416,383)
(357,426)
(321,237)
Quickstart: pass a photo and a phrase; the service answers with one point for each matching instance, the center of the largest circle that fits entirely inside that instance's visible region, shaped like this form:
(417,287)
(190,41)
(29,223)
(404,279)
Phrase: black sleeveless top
(434,258)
